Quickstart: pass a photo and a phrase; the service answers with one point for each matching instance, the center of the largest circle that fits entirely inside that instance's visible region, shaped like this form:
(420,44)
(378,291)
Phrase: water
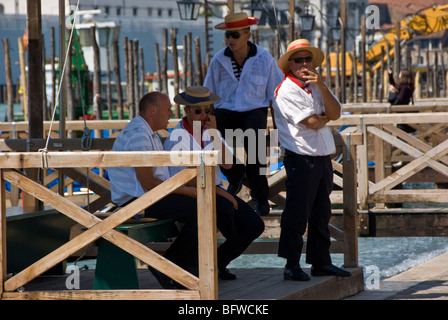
(391,255)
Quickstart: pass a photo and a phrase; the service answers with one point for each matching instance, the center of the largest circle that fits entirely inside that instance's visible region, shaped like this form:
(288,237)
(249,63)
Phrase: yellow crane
(426,21)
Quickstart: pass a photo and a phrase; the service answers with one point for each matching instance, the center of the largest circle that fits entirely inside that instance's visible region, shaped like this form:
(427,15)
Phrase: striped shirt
(237,69)
(136,136)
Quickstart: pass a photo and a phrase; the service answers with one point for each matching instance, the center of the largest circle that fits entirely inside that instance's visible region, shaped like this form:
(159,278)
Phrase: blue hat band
(192,99)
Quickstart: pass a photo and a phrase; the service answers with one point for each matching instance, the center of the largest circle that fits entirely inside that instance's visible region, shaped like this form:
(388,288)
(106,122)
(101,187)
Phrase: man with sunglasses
(245,76)
(236,220)
(303,106)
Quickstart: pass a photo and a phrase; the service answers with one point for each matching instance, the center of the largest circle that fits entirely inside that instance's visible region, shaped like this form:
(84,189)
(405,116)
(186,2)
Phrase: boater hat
(196,96)
(235,21)
(300,45)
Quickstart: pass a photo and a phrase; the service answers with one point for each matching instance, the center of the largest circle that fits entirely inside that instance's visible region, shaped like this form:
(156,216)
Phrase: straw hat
(196,96)
(300,45)
(235,21)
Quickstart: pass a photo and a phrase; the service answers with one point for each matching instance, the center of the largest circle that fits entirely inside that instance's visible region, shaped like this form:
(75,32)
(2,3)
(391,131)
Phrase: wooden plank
(103,295)
(100,228)
(100,159)
(208,276)
(408,170)
(350,207)
(2,232)
(374,119)
(53,144)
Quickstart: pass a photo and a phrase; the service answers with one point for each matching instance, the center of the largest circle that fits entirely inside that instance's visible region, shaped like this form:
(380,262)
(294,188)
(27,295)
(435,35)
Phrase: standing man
(303,106)
(245,76)
(128,183)
(236,220)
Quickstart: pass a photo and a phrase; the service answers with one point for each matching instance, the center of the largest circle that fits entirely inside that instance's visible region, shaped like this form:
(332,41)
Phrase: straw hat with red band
(196,96)
(300,45)
(235,21)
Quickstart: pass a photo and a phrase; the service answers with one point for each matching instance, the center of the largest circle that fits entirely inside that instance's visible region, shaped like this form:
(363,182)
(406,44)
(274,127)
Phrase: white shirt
(136,136)
(181,140)
(255,89)
(292,105)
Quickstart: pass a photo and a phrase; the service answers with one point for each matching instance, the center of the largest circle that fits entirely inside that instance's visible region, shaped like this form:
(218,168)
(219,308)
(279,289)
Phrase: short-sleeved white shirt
(136,136)
(291,105)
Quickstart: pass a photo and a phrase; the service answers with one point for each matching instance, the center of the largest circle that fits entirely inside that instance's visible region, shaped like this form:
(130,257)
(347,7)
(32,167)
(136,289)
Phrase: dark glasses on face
(199,110)
(233,34)
(302,59)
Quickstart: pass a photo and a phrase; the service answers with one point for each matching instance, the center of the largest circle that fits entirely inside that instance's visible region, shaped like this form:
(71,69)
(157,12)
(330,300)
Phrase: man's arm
(148,181)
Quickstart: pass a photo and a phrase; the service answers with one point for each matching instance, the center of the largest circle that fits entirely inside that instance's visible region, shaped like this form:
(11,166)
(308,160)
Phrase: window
(118,11)
(134,12)
(149,12)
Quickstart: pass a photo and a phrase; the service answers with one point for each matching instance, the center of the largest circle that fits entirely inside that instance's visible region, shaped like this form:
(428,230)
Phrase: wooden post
(3,264)
(350,207)
(126,71)
(70,98)
(197,44)
(130,80)
(230,5)
(397,54)
(328,66)
(343,49)
(291,20)
(135,68)
(435,86)
(23,79)
(159,72)
(208,276)
(9,85)
(190,59)
(96,70)
(53,72)
(185,61)
(118,80)
(175,68)
(363,59)
(108,80)
(337,79)
(165,62)
(142,72)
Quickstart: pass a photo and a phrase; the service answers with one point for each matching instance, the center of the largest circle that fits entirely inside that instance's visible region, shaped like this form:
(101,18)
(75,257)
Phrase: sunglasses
(233,34)
(302,59)
(199,110)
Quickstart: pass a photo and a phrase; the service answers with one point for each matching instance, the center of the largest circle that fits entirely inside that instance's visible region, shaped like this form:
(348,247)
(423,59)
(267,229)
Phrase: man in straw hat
(303,106)
(245,76)
(236,220)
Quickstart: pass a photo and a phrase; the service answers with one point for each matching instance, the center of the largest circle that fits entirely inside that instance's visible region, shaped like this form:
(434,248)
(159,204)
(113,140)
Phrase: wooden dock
(252,284)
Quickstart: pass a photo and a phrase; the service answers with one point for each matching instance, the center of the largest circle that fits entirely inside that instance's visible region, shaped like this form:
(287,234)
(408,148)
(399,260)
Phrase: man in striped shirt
(245,76)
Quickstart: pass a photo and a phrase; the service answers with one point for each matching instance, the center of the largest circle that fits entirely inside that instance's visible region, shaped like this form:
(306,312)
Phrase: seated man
(236,220)
(128,183)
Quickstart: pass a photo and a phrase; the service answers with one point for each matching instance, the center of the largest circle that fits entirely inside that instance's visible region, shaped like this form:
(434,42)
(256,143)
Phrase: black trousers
(253,120)
(308,186)
(239,227)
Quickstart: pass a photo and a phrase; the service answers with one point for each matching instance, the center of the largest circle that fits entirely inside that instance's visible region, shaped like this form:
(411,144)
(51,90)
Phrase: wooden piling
(9,85)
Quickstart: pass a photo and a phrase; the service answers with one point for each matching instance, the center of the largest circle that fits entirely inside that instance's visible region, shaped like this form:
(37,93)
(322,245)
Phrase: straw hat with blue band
(300,45)
(235,21)
(196,96)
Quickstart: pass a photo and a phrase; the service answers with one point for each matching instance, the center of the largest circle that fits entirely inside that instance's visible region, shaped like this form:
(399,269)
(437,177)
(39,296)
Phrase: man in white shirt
(236,220)
(302,107)
(129,183)
(245,76)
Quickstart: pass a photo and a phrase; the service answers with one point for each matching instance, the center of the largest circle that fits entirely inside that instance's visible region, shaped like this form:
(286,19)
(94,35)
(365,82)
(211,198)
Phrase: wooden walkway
(427,281)
(252,284)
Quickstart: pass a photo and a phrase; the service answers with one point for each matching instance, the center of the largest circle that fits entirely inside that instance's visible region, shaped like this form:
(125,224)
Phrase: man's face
(237,39)
(198,113)
(163,112)
(299,64)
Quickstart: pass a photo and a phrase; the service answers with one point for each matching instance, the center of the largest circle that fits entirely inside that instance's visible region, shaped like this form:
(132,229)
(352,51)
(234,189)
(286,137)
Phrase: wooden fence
(204,287)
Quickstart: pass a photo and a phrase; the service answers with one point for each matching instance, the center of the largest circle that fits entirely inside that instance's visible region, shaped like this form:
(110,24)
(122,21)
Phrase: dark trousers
(239,227)
(308,186)
(255,120)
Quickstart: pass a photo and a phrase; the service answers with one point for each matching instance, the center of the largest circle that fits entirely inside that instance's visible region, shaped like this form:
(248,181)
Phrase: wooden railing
(204,287)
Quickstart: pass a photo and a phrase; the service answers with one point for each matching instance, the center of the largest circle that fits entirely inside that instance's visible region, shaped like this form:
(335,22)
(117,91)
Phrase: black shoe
(235,188)
(295,273)
(225,274)
(165,281)
(329,270)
